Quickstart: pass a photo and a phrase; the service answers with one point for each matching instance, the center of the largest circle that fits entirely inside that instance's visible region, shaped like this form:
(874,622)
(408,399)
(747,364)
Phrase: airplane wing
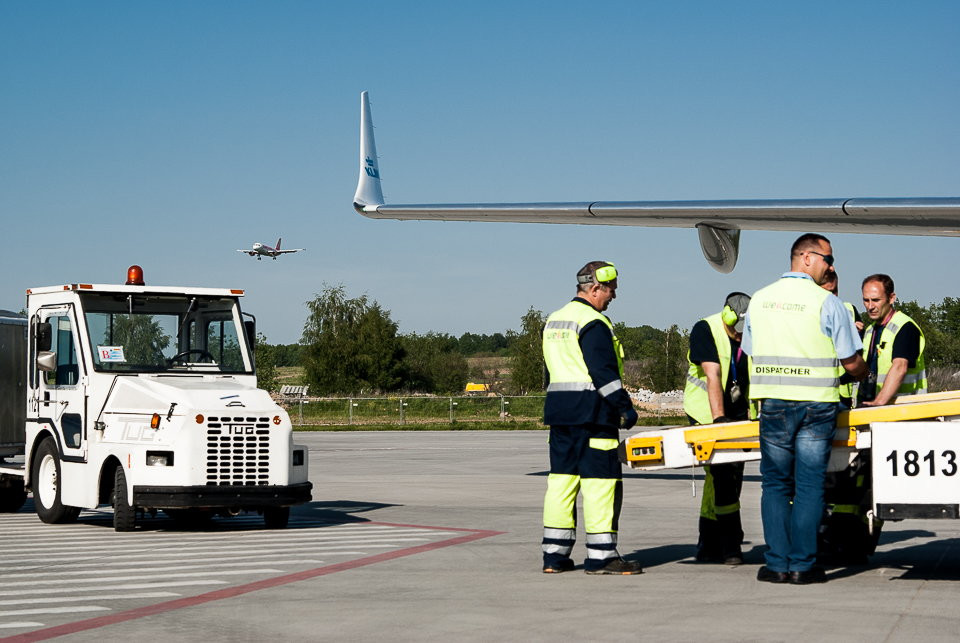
(249,252)
(286,250)
(718,223)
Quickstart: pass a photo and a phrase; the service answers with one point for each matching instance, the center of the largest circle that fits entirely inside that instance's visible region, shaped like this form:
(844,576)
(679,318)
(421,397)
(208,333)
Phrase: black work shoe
(565,565)
(709,557)
(812,575)
(733,559)
(618,566)
(767,575)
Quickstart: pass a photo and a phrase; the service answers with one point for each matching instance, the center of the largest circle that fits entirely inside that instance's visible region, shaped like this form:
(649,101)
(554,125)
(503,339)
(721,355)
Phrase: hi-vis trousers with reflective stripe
(583,459)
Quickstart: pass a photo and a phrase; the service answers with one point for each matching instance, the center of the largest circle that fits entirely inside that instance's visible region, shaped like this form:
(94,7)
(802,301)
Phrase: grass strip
(471,426)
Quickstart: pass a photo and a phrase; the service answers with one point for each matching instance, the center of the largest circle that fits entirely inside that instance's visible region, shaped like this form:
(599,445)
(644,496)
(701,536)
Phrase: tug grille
(238,451)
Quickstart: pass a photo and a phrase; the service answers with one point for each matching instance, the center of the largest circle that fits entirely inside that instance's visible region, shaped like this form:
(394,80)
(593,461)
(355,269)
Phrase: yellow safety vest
(846,390)
(791,357)
(561,347)
(696,401)
(915,380)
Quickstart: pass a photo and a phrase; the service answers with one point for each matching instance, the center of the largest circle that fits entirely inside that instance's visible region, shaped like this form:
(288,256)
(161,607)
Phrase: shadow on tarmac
(662,555)
(309,515)
(924,561)
(889,537)
(937,560)
(339,512)
(685,555)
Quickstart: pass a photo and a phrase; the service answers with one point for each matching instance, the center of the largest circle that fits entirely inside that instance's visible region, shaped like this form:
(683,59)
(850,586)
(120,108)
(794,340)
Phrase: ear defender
(606,273)
(729,316)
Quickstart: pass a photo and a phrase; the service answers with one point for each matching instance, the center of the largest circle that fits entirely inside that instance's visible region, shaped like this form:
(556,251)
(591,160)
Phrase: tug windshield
(145,333)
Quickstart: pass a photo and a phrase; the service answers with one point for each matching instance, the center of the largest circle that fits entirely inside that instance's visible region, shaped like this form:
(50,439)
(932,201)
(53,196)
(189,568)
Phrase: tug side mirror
(44,336)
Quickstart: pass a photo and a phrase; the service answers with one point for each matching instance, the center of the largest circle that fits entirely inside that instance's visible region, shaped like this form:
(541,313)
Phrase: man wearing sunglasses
(797,335)
(585,404)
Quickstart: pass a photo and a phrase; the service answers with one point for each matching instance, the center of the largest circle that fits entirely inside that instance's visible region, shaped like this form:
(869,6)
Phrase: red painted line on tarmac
(230,592)
(400,524)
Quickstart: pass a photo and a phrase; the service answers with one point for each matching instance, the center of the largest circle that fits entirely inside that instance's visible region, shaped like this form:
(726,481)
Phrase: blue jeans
(795,441)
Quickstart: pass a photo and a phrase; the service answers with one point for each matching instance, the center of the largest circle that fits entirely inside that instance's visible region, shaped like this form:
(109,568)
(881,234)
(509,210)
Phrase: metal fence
(412,409)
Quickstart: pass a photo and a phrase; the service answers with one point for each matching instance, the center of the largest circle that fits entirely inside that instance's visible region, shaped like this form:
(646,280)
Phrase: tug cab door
(58,380)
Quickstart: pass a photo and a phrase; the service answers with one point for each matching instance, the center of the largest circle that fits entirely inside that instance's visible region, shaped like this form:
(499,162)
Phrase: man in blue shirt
(804,333)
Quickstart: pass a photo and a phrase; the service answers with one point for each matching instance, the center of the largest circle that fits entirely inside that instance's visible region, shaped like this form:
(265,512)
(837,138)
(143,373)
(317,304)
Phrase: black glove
(720,419)
(629,419)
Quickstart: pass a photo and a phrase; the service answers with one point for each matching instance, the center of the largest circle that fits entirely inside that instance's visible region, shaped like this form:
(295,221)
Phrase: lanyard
(874,340)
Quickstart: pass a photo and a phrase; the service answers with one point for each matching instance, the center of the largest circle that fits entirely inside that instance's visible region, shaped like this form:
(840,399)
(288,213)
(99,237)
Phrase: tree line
(940,323)
(467,344)
(351,346)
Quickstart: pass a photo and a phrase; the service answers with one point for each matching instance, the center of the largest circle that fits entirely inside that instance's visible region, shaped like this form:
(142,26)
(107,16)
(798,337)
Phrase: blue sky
(171,133)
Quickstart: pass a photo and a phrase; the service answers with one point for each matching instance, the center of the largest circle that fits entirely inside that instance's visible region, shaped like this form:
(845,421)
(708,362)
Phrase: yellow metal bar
(703,450)
(905,409)
(851,440)
(751,444)
(704,439)
(730,430)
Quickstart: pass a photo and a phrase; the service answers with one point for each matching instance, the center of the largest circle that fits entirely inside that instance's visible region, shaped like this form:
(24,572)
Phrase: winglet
(369,192)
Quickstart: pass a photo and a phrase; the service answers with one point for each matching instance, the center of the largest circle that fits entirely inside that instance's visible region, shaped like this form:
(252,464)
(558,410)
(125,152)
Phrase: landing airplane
(261,250)
(718,223)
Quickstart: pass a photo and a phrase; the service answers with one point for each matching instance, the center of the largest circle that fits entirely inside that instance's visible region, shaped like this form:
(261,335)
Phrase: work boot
(717,557)
(767,575)
(731,537)
(812,575)
(733,559)
(618,566)
(558,567)
(709,556)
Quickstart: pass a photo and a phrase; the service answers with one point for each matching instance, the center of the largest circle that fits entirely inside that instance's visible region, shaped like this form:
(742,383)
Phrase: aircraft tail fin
(369,192)
(279,239)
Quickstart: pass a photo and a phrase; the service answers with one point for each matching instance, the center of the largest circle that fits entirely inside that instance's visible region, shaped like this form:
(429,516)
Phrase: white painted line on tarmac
(187,556)
(107,569)
(303,540)
(56,610)
(20,624)
(252,526)
(214,550)
(195,536)
(161,575)
(77,599)
(113,588)
(153,537)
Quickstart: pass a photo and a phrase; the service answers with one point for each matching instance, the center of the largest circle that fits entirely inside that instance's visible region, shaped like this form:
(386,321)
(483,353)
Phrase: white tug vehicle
(144,398)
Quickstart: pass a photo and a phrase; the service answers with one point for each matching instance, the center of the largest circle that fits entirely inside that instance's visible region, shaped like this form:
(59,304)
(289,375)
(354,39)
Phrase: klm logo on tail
(371,169)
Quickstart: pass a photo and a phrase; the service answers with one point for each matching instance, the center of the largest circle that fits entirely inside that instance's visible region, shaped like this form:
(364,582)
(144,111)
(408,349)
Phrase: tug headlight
(159,458)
